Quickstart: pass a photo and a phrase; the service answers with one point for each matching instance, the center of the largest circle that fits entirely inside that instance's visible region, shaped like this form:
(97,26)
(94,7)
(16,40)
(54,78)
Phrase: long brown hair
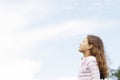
(98,51)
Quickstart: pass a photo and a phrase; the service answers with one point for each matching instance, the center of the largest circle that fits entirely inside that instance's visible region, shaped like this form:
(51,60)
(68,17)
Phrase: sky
(39,39)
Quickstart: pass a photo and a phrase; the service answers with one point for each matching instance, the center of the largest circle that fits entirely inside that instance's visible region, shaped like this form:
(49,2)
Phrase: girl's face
(84,46)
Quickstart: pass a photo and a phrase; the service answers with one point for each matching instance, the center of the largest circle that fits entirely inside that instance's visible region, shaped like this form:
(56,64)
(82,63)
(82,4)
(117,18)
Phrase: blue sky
(39,39)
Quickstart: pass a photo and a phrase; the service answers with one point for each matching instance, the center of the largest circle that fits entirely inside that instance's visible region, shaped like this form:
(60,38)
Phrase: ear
(90,46)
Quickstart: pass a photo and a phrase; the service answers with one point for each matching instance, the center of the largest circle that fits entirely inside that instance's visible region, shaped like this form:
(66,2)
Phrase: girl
(93,64)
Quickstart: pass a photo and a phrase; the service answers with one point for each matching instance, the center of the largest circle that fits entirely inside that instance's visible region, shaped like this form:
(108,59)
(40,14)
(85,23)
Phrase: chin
(81,51)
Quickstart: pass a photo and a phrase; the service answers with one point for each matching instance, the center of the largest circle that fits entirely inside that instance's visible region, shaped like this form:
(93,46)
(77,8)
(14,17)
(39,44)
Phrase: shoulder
(91,59)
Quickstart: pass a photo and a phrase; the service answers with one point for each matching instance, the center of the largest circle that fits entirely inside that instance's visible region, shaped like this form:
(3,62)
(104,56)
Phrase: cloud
(29,39)
(14,68)
(13,17)
(65,28)
(17,42)
(19,14)
(16,15)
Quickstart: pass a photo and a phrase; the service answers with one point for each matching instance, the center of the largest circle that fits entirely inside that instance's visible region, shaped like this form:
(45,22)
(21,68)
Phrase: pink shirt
(89,69)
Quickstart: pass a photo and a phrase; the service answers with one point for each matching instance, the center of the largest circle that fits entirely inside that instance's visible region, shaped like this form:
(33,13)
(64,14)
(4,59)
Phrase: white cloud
(66,28)
(16,42)
(20,14)
(17,15)
(13,68)
(14,16)
(30,38)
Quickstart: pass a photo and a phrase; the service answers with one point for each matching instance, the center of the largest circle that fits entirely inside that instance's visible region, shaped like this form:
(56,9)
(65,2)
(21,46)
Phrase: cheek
(81,46)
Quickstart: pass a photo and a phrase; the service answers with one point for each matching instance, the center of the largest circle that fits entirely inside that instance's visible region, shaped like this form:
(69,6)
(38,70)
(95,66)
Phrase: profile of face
(84,46)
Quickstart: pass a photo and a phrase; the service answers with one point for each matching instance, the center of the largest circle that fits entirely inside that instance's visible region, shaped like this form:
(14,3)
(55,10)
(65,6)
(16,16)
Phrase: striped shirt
(89,69)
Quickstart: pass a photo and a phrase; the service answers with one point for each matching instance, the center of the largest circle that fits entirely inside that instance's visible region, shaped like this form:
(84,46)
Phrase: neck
(87,53)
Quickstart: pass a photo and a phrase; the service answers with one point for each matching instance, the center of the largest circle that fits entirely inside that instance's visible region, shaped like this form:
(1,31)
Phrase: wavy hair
(98,51)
